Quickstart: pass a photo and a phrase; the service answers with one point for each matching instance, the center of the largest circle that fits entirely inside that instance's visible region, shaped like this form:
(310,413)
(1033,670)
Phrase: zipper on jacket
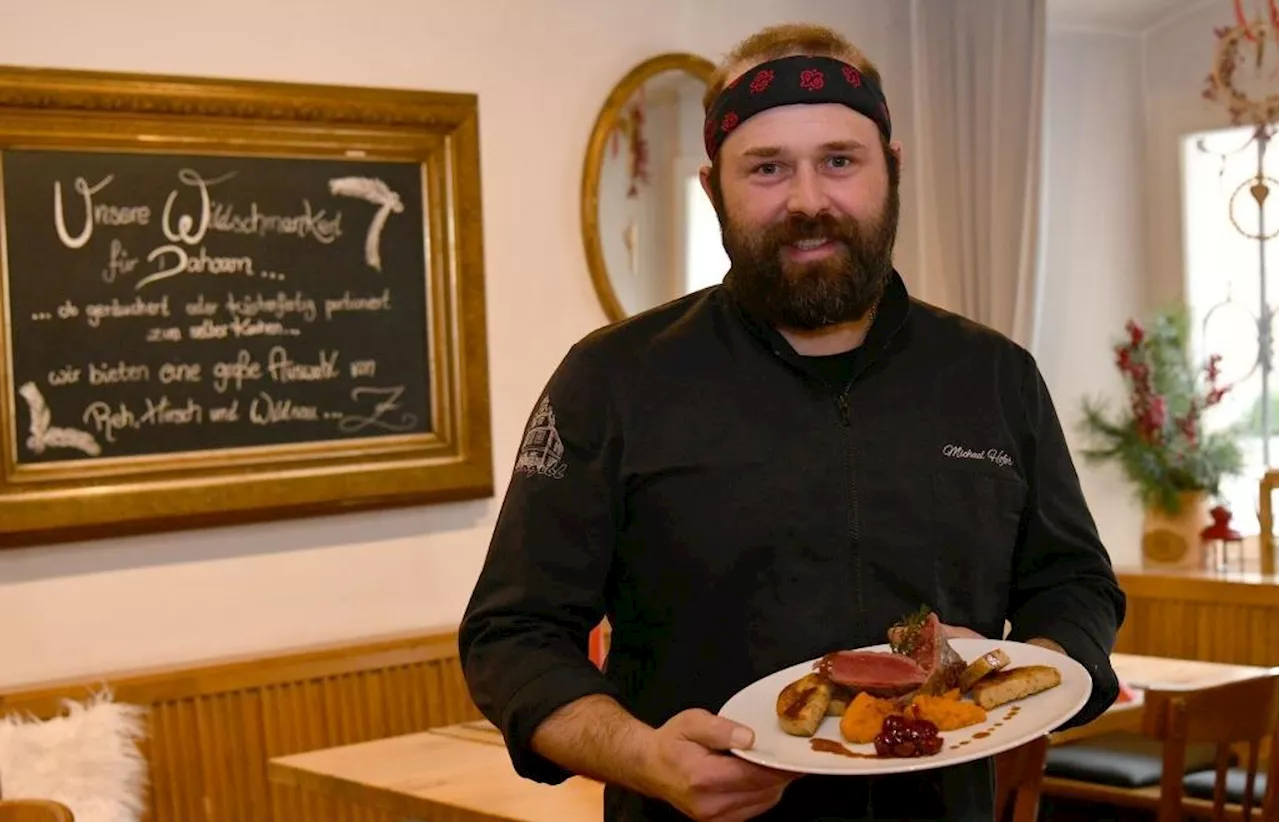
(855,552)
(842,404)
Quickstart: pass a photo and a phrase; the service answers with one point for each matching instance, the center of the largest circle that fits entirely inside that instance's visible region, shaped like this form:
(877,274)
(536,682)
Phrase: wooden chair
(34,810)
(1237,715)
(1019,774)
(1185,736)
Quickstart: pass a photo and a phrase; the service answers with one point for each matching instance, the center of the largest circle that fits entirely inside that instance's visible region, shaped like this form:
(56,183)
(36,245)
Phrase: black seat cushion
(1121,760)
(1200,785)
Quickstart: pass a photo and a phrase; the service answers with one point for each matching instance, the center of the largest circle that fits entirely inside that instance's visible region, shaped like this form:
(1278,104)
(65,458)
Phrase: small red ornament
(1219,536)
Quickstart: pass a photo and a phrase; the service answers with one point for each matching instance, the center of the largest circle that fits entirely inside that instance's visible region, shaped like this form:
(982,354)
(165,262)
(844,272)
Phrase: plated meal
(900,700)
(920,701)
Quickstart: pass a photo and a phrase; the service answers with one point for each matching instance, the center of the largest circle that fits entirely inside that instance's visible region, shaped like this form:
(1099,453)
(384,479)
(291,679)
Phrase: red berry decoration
(902,737)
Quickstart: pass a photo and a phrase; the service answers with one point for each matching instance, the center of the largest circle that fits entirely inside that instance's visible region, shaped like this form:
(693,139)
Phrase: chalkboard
(229,301)
(194,303)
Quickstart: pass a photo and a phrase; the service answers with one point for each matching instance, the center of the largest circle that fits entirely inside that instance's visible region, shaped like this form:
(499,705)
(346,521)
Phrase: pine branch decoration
(1159,441)
(906,633)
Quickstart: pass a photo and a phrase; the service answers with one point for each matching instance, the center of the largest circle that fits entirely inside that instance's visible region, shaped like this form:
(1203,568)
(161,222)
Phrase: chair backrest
(34,810)
(1019,773)
(1229,716)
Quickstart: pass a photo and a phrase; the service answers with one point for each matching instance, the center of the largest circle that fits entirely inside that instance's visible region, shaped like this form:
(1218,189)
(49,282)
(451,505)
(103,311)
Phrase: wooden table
(1142,672)
(464,770)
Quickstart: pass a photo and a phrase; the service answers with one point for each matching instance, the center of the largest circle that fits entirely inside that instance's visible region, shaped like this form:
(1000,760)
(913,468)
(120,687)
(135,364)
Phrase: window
(705,262)
(1224,289)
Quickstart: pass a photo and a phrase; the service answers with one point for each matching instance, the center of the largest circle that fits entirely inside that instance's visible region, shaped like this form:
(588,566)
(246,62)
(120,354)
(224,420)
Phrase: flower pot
(1173,540)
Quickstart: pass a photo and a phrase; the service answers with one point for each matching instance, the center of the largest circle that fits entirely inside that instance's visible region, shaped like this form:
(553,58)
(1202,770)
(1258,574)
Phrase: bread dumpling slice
(1013,684)
(802,705)
(988,663)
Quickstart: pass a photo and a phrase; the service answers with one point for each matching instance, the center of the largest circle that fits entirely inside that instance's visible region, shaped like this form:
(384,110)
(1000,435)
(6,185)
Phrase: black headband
(790,80)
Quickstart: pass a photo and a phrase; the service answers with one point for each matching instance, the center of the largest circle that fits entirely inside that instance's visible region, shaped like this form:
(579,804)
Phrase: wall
(1119,97)
(1093,254)
(541,70)
(1177,54)
(1178,58)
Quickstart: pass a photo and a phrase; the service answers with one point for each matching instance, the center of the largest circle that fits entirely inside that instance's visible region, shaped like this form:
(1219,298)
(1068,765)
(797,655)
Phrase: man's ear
(895,148)
(704,176)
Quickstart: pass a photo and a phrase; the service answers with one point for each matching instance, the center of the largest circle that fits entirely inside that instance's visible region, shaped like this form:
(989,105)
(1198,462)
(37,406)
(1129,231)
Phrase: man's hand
(1047,643)
(960,632)
(685,767)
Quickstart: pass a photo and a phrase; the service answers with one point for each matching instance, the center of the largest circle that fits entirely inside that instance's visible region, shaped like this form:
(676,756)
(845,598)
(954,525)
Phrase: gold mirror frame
(607,119)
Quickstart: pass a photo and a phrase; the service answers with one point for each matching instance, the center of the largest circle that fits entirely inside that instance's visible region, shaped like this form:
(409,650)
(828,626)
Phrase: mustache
(798,227)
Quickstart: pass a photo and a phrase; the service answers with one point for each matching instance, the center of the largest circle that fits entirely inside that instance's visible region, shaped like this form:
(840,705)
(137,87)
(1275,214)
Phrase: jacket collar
(894,309)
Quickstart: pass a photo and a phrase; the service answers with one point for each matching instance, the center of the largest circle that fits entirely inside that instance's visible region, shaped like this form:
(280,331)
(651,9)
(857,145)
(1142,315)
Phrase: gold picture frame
(148,123)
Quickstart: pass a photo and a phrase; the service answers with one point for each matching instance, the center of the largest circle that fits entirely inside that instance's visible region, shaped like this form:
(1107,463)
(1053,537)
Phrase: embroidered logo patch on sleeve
(542,452)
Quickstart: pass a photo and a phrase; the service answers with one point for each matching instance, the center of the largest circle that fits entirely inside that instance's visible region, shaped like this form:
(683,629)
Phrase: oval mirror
(650,233)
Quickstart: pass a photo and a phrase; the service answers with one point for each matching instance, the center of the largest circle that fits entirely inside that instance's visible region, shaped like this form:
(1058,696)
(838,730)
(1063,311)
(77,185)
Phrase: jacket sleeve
(524,635)
(1064,588)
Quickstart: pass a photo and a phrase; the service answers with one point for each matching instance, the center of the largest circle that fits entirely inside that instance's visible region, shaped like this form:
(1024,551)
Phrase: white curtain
(978,74)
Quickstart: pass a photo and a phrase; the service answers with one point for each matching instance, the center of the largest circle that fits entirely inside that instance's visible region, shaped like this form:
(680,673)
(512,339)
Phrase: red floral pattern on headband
(812,80)
(761,81)
(798,79)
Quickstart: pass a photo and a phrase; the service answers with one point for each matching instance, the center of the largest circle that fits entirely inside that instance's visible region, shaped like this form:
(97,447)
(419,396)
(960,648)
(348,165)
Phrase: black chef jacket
(735,508)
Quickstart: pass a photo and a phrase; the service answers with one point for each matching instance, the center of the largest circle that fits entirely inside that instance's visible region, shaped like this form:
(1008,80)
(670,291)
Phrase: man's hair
(786,40)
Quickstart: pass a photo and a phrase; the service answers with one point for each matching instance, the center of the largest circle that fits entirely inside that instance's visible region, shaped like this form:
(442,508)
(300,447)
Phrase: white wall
(1093,244)
(1119,97)
(541,71)
(1177,57)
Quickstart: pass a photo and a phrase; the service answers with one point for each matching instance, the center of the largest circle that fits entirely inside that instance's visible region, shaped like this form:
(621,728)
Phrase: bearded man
(773,468)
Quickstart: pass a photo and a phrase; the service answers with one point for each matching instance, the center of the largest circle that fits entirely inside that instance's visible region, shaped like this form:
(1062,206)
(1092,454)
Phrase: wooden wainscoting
(214,726)
(1229,617)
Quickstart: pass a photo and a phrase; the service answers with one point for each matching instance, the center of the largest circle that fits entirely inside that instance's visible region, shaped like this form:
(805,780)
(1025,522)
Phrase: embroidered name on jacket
(995,455)
(542,452)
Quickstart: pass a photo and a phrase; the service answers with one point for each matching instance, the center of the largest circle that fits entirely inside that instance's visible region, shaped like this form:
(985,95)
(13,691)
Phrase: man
(773,468)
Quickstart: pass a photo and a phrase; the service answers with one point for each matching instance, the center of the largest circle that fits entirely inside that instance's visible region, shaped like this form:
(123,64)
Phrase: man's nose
(806,195)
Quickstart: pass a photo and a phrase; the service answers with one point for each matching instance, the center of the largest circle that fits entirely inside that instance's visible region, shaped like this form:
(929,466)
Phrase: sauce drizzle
(792,711)
(832,746)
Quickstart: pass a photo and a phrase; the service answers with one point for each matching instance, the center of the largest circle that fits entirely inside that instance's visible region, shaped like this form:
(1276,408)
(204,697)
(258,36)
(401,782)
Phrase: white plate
(756,707)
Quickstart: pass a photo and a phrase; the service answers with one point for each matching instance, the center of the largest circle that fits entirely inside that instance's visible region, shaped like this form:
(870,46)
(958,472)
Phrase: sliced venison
(878,673)
(921,639)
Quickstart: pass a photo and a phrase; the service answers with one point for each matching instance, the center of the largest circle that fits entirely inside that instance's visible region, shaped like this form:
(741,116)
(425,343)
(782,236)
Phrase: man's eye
(766,168)
(841,162)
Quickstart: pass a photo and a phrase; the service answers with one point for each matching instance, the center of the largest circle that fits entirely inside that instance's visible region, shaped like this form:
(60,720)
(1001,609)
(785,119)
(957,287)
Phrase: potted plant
(1159,440)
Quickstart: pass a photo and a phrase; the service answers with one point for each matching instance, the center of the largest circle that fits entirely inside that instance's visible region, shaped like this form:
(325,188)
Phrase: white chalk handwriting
(43,434)
(381,195)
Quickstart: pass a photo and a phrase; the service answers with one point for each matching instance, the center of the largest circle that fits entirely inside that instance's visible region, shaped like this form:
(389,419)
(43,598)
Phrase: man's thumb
(716,732)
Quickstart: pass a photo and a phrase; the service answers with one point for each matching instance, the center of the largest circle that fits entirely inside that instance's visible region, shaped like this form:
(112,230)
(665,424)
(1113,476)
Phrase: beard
(841,287)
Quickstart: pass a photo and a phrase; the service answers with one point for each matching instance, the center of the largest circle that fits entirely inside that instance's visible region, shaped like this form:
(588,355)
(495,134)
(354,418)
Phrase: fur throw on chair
(87,759)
